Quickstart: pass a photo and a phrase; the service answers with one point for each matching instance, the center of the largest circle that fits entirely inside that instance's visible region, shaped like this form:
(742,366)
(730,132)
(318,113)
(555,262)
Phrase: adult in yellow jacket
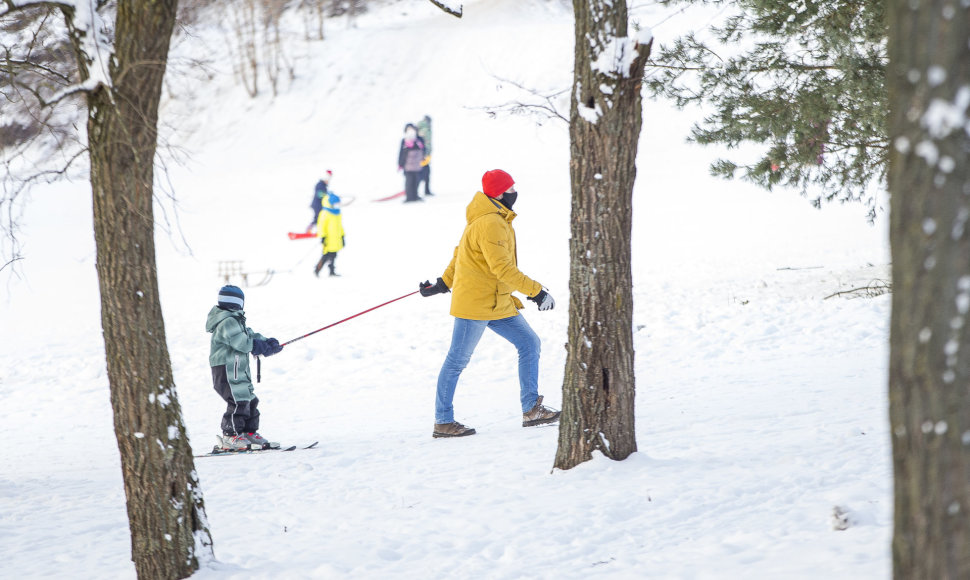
(481,277)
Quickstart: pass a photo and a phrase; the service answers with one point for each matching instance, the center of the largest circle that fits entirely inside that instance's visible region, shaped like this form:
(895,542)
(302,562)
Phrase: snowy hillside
(761,404)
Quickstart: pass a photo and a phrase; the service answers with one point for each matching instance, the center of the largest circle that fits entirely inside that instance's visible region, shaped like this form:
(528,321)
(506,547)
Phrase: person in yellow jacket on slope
(330,230)
(481,277)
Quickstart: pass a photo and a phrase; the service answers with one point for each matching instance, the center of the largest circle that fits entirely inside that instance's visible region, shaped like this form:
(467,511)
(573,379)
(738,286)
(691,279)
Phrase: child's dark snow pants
(241,416)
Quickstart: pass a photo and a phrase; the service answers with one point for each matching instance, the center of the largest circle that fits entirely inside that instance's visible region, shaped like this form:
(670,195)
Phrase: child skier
(232,342)
(330,230)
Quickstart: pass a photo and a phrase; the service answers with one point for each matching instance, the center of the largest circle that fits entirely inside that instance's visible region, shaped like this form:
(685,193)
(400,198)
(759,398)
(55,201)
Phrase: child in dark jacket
(230,347)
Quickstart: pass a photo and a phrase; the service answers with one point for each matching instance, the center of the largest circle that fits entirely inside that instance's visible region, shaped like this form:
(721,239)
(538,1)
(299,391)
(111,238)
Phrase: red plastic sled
(390,197)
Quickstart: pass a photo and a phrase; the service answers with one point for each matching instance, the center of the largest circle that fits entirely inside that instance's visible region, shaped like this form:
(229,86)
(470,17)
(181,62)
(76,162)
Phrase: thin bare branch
(11,262)
(547,107)
(875,288)
(10,64)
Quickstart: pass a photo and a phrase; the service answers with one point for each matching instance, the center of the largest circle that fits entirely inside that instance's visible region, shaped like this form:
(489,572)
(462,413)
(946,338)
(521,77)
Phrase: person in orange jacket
(481,278)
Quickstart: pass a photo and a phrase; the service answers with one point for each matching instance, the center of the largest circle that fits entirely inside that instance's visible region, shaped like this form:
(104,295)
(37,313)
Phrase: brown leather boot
(453,429)
(539,415)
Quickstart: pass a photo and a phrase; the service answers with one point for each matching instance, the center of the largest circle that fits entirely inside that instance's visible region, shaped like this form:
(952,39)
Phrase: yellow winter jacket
(483,272)
(330,225)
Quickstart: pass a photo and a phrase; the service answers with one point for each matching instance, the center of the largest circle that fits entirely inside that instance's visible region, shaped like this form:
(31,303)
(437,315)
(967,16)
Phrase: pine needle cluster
(802,81)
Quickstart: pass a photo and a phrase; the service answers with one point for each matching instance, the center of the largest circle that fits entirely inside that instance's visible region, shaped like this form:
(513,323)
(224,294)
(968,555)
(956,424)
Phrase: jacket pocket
(501,300)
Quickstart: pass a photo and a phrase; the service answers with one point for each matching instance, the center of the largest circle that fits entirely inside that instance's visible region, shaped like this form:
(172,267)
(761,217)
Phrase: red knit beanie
(495,182)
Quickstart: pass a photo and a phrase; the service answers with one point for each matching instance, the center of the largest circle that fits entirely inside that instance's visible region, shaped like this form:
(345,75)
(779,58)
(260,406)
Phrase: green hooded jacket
(232,341)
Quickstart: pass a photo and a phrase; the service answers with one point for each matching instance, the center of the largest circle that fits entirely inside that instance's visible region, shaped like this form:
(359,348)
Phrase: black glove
(428,289)
(267,347)
(274,346)
(543,300)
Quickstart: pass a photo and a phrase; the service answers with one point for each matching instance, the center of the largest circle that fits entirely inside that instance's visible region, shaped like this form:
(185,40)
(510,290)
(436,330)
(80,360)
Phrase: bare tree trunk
(242,18)
(165,508)
(274,50)
(353,11)
(929,367)
(604,130)
(320,17)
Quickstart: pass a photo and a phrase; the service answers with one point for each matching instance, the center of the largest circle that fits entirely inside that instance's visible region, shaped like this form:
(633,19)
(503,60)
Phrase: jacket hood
(483,272)
(481,205)
(217,315)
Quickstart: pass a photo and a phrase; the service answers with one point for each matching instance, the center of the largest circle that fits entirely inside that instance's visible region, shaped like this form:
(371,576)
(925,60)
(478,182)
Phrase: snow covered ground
(761,404)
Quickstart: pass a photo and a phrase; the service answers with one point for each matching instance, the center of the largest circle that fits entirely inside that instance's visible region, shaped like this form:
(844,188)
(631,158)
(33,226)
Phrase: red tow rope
(348,318)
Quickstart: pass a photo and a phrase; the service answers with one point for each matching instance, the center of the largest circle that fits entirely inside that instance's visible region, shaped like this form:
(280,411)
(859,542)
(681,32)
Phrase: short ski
(220,451)
(301,235)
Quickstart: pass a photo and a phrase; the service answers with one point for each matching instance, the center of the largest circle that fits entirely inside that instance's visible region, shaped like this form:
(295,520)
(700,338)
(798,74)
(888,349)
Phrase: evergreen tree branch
(806,83)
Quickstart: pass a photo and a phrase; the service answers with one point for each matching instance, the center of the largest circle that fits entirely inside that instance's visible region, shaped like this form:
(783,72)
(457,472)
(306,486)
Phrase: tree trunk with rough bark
(605,120)
(169,532)
(929,367)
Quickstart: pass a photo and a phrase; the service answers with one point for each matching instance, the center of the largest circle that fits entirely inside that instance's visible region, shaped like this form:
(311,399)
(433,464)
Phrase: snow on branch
(89,33)
(614,60)
(619,54)
(453,8)
(10,6)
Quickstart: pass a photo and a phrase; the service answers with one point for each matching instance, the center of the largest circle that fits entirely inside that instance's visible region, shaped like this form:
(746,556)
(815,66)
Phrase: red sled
(390,197)
(301,235)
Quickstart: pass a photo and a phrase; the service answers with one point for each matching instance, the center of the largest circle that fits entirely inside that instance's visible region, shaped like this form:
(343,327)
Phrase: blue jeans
(465,337)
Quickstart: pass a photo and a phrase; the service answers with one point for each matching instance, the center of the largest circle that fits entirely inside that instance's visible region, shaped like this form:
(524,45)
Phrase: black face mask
(508,198)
